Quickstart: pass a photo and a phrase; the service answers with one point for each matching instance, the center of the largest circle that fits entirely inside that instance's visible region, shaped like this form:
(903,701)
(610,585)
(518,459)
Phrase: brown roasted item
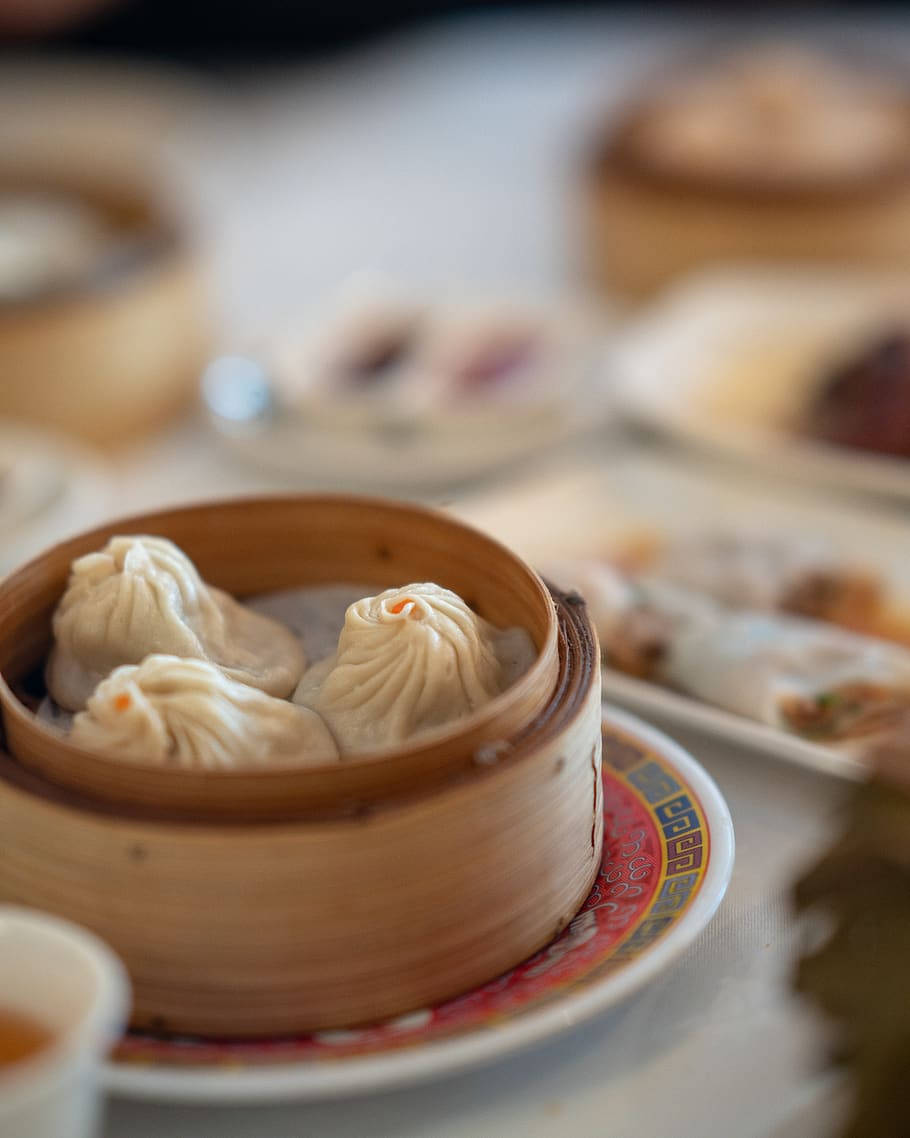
(846,596)
(865,403)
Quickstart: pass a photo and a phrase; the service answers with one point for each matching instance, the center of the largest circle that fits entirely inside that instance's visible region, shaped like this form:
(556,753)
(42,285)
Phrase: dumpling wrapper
(408,660)
(188,713)
(142,595)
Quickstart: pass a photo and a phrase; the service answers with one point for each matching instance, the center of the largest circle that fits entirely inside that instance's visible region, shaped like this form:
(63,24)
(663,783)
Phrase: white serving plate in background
(413,459)
(671,709)
(662,363)
(589,508)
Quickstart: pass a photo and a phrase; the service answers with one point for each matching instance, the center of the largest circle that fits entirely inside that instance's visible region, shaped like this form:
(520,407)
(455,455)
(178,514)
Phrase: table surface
(447,158)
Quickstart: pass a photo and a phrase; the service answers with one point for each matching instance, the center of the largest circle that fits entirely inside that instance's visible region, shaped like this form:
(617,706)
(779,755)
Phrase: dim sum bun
(407,660)
(143,595)
(188,713)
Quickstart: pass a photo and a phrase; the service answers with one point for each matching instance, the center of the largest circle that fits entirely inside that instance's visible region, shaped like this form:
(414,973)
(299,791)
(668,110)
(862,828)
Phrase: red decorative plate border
(658,847)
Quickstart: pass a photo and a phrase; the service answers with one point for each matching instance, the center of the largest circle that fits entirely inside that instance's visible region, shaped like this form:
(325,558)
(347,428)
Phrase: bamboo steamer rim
(580,660)
(359,779)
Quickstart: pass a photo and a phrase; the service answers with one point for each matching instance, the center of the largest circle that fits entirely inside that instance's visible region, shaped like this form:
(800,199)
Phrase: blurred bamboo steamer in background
(103,315)
(346,892)
(769,154)
(116,351)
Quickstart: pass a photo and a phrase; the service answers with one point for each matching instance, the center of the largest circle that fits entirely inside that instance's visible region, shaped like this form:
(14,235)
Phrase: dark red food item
(496,362)
(376,359)
(865,404)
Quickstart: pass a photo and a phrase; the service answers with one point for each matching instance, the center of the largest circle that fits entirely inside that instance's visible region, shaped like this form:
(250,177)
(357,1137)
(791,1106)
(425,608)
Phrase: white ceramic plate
(783,325)
(399,459)
(591,509)
(677,710)
(408,431)
(668,856)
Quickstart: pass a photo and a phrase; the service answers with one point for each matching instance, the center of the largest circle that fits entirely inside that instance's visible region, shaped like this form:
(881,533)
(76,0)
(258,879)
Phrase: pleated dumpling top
(408,660)
(142,595)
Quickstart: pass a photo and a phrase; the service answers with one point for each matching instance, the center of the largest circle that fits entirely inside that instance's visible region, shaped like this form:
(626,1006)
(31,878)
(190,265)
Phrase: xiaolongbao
(142,595)
(410,659)
(188,713)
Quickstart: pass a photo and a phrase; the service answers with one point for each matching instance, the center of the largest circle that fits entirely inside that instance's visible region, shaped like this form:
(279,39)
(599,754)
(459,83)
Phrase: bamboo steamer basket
(266,903)
(645,226)
(642,233)
(117,352)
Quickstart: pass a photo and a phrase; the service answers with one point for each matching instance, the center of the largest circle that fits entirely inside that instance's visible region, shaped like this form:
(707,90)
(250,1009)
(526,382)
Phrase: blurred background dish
(49,486)
(742,363)
(678,711)
(32,479)
(49,241)
(623,515)
(101,313)
(767,152)
(862,402)
(622,512)
(383,389)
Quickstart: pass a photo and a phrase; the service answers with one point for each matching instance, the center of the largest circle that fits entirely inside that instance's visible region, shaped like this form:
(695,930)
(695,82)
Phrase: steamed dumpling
(188,713)
(407,660)
(142,595)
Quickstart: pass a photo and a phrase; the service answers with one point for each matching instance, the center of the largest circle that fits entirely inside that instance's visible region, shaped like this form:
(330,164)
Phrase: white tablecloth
(448,159)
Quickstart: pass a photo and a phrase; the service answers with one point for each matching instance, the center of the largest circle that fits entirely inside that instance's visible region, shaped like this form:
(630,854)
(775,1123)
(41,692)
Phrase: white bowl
(72,984)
